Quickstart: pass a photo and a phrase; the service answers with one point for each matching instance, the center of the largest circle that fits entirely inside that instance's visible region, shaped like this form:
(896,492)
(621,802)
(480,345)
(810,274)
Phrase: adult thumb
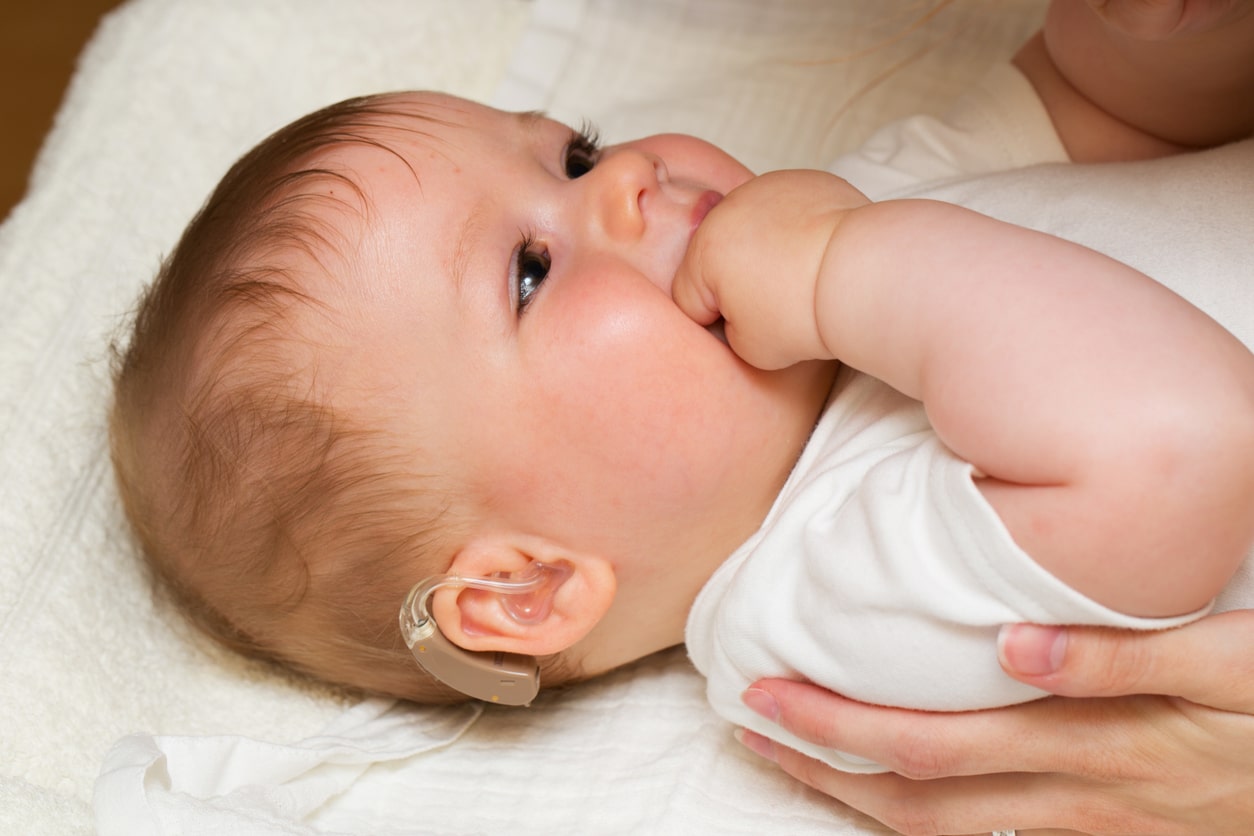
(1210,662)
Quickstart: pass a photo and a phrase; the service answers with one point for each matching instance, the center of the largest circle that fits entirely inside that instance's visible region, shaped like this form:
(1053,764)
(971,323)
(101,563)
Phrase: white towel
(213,785)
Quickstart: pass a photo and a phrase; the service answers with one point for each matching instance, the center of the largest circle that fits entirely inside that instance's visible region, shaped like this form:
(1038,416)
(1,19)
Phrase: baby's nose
(624,179)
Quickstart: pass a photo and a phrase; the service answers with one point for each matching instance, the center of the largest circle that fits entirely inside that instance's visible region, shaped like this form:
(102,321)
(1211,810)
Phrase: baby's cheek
(614,319)
(624,375)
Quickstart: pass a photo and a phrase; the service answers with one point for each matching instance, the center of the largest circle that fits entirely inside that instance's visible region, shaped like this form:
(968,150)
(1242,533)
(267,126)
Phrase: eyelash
(578,158)
(529,254)
(584,148)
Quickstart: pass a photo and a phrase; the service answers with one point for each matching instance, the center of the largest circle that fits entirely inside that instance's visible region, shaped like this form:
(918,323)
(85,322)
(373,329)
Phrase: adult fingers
(1209,662)
(1042,736)
(1029,803)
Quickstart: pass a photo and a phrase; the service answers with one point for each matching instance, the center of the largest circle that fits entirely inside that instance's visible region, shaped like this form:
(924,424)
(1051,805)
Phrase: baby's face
(511,312)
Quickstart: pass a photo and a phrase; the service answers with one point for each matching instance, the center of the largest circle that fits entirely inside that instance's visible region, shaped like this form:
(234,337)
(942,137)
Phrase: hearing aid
(491,676)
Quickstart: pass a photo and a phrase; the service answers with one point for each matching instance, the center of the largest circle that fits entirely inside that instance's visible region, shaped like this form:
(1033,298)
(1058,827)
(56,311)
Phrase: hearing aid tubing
(491,676)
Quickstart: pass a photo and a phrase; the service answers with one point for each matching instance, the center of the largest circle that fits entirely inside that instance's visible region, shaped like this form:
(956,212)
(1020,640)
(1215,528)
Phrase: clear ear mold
(491,676)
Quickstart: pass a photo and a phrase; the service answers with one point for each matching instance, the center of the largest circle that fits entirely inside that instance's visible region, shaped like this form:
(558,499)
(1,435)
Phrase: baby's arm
(1130,79)
(1113,421)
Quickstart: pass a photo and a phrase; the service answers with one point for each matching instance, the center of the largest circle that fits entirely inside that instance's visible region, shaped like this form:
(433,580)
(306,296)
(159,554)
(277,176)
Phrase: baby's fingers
(691,291)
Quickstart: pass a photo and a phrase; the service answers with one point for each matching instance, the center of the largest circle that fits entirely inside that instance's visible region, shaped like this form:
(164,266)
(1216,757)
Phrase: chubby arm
(1113,422)
(1132,79)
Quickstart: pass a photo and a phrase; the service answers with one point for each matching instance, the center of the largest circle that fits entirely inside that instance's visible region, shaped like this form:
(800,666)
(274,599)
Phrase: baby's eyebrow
(461,249)
(529,118)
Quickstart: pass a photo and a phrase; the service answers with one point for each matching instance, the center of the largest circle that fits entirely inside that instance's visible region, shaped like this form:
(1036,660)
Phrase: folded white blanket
(102,677)
(152,785)
(636,753)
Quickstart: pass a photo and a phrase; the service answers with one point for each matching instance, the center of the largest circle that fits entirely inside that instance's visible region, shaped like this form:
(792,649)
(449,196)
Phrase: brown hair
(285,528)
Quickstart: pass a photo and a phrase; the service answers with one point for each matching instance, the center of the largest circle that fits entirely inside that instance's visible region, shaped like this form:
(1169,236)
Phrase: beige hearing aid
(506,678)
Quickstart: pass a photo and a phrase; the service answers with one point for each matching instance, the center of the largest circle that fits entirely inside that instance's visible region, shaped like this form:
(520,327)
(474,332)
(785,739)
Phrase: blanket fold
(152,785)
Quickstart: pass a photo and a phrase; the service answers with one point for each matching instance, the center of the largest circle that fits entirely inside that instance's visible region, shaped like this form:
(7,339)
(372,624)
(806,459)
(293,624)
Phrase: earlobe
(547,620)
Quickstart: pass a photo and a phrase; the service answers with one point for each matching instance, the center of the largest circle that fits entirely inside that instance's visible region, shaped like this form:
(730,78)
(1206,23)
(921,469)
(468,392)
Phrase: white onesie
(881,572)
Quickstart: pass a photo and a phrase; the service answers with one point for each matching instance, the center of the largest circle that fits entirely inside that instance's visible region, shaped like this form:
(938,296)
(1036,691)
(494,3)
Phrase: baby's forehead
(407,139)
(436,121)
(424,116)
(411,150)
(391,187)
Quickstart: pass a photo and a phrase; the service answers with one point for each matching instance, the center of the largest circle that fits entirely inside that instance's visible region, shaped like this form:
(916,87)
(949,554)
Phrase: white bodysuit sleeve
(881,573)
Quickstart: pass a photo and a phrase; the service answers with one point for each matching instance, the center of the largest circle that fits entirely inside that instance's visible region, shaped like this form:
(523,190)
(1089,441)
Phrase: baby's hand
(1155,20)
(756,260)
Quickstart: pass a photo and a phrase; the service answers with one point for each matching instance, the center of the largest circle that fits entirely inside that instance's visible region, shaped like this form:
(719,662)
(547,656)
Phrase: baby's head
(410,335)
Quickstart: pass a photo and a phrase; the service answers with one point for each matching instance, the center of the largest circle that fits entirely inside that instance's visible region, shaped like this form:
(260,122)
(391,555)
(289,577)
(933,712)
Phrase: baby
(409,335)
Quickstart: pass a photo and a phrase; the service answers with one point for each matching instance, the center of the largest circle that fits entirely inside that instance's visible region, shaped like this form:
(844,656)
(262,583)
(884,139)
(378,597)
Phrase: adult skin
(1169,749)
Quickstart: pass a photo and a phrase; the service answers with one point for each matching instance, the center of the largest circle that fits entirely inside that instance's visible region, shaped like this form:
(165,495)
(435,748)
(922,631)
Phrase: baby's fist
(756,259)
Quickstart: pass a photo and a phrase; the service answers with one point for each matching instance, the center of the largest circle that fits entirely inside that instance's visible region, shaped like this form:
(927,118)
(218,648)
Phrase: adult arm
(1169,750)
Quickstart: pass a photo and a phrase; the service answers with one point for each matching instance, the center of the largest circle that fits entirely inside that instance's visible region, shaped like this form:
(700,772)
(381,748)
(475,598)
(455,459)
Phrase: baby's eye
(581,152)
(531,268)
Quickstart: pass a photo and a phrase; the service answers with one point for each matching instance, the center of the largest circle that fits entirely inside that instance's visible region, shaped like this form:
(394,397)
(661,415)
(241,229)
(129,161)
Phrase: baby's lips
(705,201)
(697,302)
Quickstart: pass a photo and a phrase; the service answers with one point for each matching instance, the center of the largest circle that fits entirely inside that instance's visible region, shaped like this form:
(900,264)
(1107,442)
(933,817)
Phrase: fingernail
(761,703)
(1031,650)
(755,743)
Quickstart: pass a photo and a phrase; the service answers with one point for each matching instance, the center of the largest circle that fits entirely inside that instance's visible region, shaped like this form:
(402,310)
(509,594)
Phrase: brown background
(39,41)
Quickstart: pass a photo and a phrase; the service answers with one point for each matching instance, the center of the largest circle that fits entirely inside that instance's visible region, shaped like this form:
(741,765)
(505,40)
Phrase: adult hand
(1168,750)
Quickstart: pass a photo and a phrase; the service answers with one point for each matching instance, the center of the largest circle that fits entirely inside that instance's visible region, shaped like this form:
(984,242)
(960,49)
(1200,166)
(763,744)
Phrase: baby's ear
(558,614)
